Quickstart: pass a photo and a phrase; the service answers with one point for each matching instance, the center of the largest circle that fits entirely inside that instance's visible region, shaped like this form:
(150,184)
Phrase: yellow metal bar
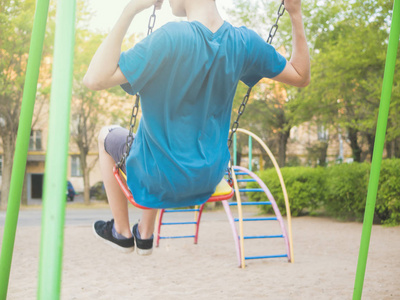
(285,195)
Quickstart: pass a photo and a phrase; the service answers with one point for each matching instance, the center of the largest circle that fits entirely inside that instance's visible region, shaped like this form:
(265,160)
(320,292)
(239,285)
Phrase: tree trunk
(396,148)
(24,196)
(390,149)
(86,177)
(8,150)
(86,187)
(371,142)
(323,153)
(283,138)
(355,148)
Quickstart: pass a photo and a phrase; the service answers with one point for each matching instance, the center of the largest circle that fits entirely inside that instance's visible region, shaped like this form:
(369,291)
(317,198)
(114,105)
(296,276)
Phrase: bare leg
(116,198)
(146,224)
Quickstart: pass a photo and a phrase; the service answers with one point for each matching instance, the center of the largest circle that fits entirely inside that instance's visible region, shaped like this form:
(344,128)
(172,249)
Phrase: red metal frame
(159,227)
(125,189)
(128,193)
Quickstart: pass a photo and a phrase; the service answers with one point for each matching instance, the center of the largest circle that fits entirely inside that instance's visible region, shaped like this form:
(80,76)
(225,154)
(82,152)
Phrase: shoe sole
(144,252)
(115,246)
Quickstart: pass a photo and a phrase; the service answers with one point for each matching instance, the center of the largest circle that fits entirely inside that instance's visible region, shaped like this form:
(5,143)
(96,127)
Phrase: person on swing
(187,74)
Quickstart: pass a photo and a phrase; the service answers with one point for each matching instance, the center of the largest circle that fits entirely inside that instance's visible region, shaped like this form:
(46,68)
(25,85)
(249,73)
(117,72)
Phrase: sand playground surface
(325,252)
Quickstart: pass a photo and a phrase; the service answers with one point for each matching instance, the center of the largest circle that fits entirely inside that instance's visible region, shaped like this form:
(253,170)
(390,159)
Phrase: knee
(102,136)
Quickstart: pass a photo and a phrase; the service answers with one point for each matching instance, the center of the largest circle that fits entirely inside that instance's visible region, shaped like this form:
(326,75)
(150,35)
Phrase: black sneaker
(143,247)
(103,231)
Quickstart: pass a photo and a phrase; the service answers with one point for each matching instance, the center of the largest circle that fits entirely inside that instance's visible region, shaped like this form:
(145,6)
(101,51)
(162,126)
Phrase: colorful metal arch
(285,195)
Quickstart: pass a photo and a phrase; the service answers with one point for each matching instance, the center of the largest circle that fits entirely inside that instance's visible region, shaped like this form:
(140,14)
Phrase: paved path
(86,216)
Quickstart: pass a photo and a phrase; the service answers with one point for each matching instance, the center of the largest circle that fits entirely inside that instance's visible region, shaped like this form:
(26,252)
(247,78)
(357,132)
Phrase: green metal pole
(234,149)
(378,150)
(250,153)
(22,144)
(57,152)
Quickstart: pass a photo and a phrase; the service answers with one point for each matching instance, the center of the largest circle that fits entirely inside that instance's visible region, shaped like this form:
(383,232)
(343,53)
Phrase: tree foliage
(16,20)
(348,42)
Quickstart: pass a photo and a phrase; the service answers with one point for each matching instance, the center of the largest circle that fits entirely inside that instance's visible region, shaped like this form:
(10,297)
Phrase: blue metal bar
(178,223)
(251,203)
(266,256)
(246,180)
(181,210)
(258,219)
(251,190)
(263,237)
(176,237)
(238,173)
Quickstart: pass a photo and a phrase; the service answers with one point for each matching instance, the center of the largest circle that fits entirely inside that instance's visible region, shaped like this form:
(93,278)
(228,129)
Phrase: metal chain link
(274,27)
(135,109)
(235,125)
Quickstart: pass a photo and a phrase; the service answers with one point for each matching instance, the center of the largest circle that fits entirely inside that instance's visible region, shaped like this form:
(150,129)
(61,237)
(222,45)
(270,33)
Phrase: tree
(16,20)
(348,42)
(347,71)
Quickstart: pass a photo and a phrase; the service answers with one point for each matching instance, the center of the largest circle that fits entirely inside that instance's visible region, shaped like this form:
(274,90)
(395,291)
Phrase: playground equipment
(55,178)
(239,240)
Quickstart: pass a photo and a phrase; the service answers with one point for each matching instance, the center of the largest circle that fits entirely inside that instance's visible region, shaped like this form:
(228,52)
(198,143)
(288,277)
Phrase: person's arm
(103,71)
(297,70)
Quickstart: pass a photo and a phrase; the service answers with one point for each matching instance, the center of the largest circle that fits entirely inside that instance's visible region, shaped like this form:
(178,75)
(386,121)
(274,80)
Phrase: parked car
(98,191)
(70,191)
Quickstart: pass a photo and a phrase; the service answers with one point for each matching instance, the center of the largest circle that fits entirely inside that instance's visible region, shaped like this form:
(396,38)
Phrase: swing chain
(152,22)
(135,109)
(242,107)
(274,27)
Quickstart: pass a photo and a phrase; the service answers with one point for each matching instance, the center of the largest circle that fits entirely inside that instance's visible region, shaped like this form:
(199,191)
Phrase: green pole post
(234,149)
(22,144)
(378,150)
(57,152)
(250,153)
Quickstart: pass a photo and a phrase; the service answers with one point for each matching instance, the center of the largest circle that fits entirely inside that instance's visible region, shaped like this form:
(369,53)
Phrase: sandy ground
(325,253)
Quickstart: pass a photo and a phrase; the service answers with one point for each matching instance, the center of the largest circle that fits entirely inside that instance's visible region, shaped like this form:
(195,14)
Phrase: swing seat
(222,192)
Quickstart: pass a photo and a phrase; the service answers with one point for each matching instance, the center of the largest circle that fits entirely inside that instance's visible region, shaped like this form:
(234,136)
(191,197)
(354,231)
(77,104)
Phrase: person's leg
(116,198)
(146,224)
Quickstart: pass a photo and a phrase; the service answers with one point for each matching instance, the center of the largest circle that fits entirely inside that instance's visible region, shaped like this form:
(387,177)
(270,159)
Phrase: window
(35,142)
(323,133)
(75,166)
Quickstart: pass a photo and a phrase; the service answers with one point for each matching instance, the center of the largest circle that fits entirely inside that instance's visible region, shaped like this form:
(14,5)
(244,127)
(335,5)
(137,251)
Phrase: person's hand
(293,6)
(137,6)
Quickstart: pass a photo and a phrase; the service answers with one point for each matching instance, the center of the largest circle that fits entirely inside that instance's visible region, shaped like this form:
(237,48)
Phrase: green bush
(305,187)
(340,190)
(387,209)
(346,190)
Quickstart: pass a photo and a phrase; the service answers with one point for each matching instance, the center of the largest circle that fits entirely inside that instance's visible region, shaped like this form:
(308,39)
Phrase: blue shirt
(187,78)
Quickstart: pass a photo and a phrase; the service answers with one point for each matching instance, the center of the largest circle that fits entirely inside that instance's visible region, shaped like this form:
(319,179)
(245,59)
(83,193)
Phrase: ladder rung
(239,173)
(263,237)
(181,210)
(258,219)
(246,180)
(176,237)
(251,203)
(251,190)
(178,223)
(266,256)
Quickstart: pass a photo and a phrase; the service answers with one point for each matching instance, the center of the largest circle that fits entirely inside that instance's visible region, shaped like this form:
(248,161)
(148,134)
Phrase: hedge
(304,187)
(340,191)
